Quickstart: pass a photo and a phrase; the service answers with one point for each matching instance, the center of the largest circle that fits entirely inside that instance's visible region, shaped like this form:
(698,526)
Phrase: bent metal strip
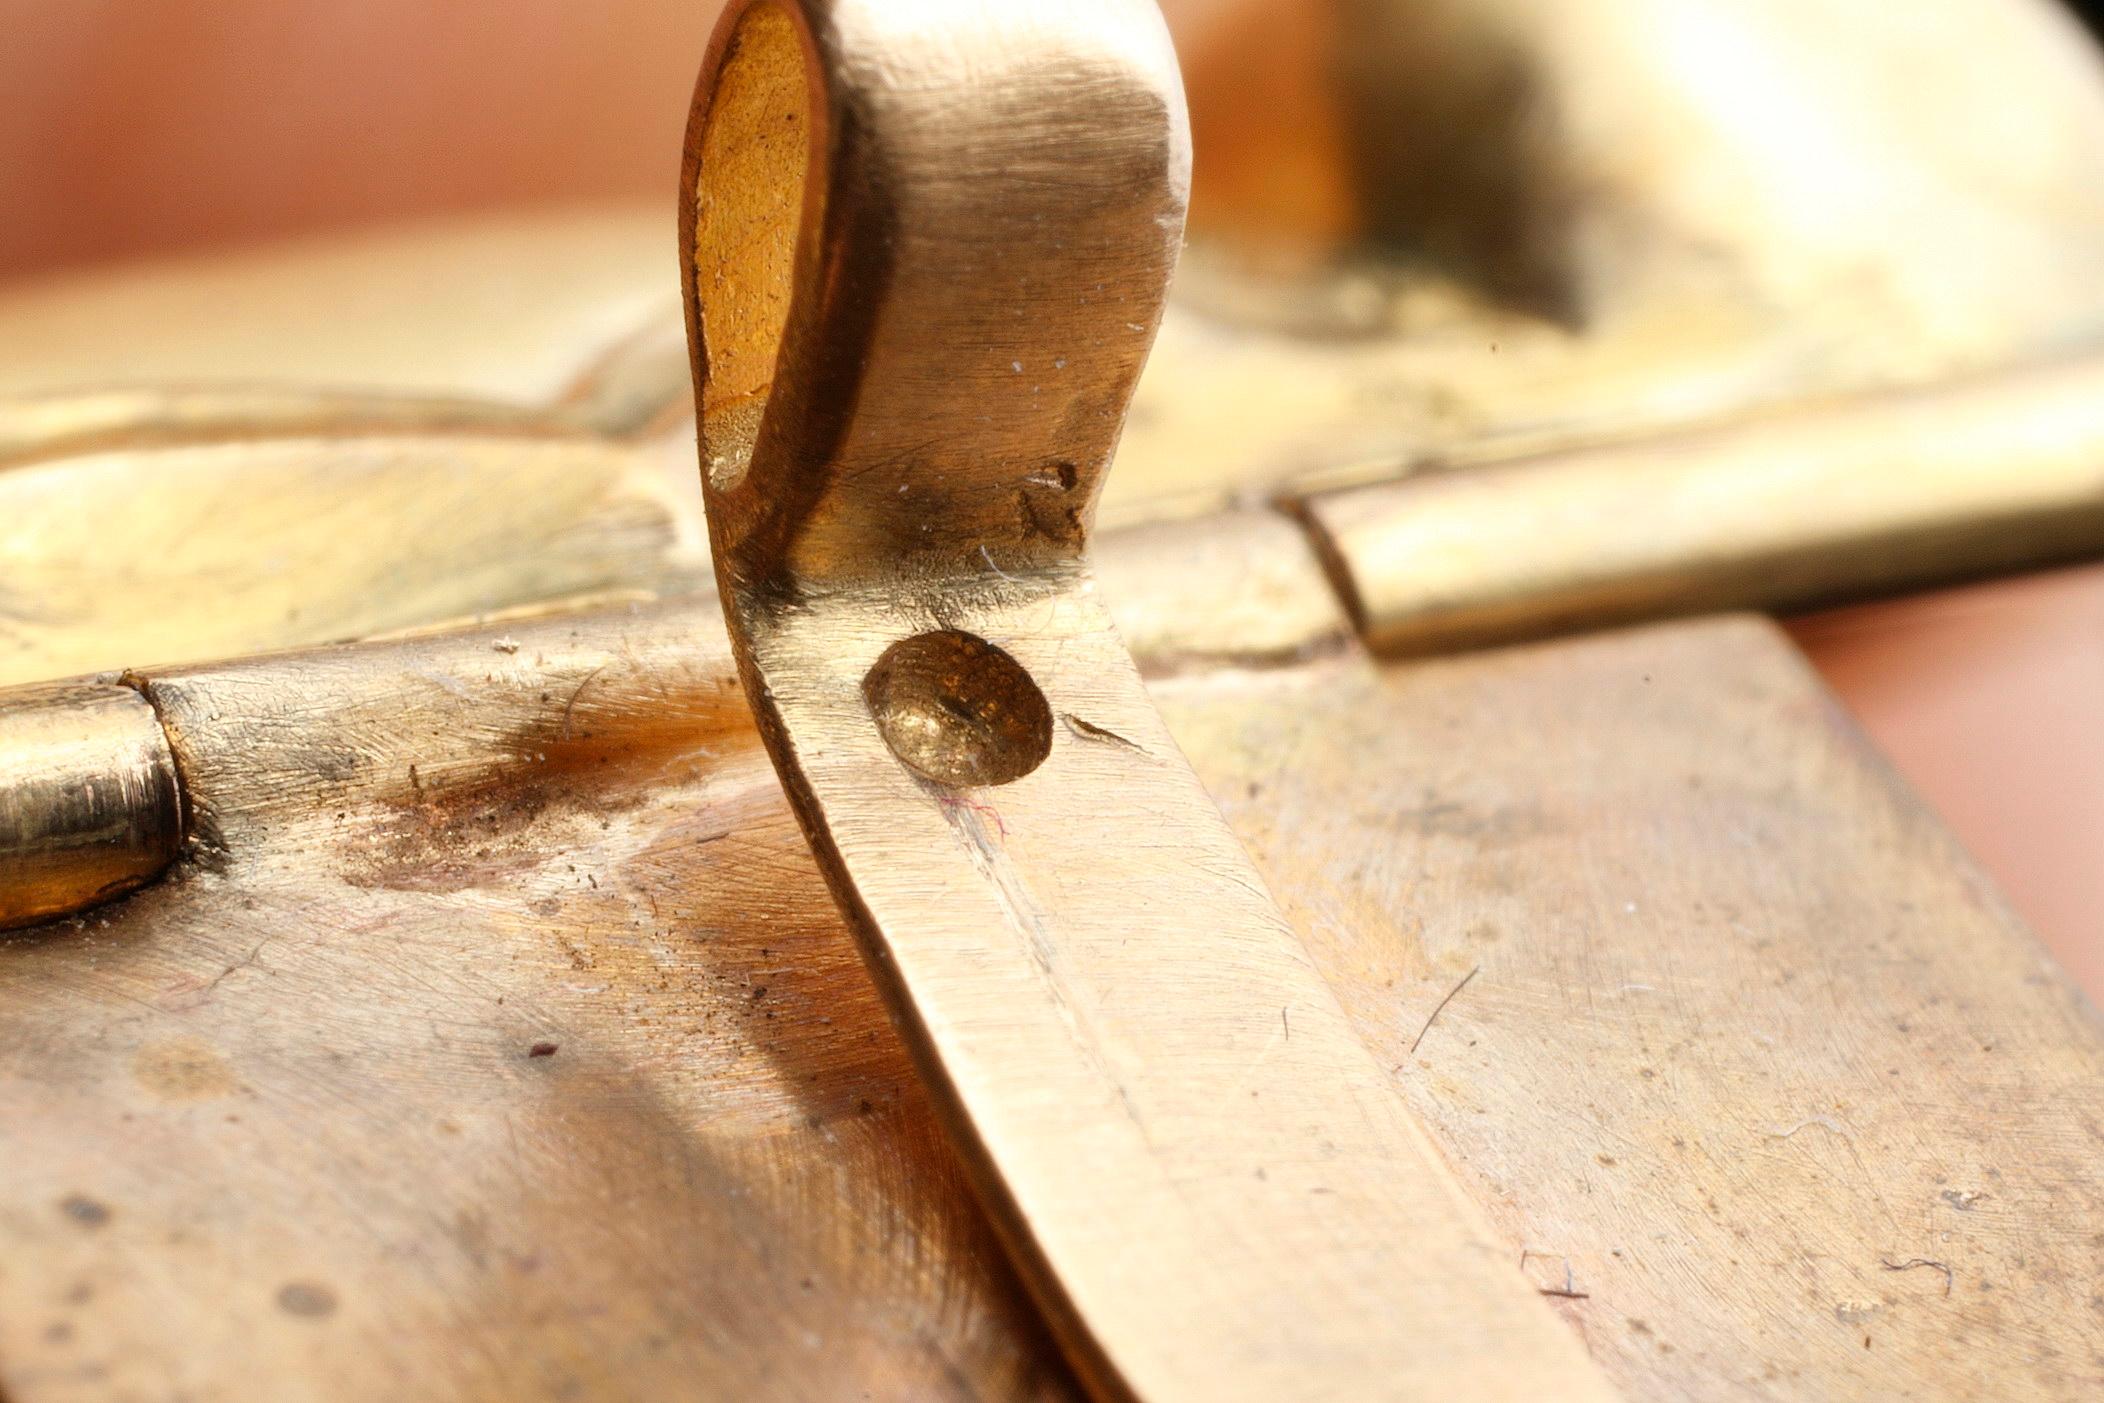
(926,247)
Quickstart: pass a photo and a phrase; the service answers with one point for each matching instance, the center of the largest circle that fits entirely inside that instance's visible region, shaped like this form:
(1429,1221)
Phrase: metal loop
(920,296)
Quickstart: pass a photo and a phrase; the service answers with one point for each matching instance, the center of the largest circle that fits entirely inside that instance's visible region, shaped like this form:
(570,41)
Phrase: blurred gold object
(492,932)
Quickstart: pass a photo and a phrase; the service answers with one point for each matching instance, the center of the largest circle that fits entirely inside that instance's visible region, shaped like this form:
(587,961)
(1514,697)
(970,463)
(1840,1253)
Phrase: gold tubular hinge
(1828,503)
(90,806)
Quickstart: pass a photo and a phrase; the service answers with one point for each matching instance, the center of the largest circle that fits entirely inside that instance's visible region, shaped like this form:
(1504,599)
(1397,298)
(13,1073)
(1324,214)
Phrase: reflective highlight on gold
(1864,496)
(89,804)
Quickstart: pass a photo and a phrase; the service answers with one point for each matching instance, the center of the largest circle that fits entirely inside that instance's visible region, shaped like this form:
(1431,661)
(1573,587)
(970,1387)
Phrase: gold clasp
(927,247)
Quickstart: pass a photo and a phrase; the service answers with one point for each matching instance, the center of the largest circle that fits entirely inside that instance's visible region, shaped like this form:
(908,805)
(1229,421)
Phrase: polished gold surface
(89,804)
(1870,495)
(1210,1188)
(187,551)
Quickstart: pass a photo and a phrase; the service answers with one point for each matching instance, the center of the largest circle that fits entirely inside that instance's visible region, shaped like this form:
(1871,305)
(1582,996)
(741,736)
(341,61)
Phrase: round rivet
(958,710)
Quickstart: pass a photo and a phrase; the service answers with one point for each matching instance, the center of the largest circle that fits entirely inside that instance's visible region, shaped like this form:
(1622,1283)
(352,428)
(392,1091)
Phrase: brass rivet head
(957,710)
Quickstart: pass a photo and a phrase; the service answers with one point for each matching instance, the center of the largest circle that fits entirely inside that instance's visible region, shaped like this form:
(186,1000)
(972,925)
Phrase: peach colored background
(130,127)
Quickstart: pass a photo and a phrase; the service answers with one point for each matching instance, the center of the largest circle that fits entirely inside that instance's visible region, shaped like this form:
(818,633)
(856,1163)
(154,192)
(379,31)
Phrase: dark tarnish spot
(84,1210)
(306,1298)
(184,1069)
(821,1022)
(1046,507)
(1053,520)
(1446,819)
(478,834)
(543,1049)
(594,749)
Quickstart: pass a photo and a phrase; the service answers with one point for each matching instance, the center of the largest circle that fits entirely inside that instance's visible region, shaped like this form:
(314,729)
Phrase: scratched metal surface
(1746,1037)
(1740,1049)
(498,1041)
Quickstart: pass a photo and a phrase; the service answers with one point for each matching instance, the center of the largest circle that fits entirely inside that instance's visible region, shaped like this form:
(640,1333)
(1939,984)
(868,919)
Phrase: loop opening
(748,210)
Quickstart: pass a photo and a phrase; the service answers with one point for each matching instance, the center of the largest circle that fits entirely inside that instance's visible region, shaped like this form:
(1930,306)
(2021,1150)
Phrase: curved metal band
(994,202)
(926,247)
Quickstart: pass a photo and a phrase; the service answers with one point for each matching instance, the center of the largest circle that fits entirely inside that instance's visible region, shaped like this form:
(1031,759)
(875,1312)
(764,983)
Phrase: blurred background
(141,128)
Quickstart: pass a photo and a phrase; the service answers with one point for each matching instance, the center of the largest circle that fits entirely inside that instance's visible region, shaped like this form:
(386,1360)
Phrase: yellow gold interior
(755,152)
